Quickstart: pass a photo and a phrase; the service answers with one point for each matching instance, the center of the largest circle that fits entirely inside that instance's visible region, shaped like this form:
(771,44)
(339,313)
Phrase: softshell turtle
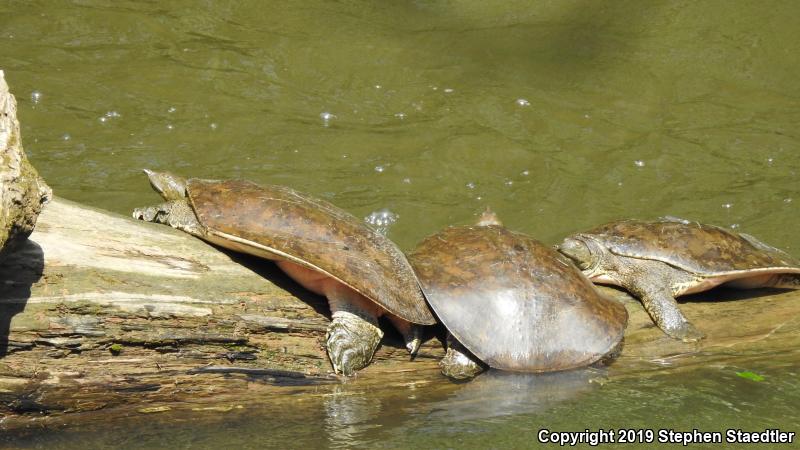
(513,303)
(325,249)
(659,260)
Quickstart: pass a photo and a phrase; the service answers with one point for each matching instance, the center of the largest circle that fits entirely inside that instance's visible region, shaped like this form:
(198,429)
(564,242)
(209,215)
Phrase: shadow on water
(19,270)
(575,39)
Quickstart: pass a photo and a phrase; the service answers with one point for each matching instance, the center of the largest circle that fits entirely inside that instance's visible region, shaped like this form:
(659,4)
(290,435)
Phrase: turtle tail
(170,186)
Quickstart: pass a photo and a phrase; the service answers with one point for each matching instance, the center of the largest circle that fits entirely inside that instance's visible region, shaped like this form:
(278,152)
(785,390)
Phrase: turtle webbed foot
(685,332)
(457,364)
(147,213)
(351,341)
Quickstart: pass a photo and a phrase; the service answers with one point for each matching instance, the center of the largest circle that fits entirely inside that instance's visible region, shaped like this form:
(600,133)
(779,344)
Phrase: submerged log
(101,312)
(22,191)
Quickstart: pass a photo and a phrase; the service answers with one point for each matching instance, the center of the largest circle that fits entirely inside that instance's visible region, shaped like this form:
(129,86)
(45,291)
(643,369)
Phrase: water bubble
(407,180)
(619,183)
(400,115)
(770,160)
(479,198)
(171,109)
(213,125)
(586,116)
(787,200)
(727,205)
(380,169)
(170,126)
(36,96)
(345,156)
(103,119)
(66,137)
(326,118)
(508,182)
(525,172)
(523,102)
(448,90)
(113,115)
(734,226)
(382,220)
(470,185)
(378,86)
(638,163)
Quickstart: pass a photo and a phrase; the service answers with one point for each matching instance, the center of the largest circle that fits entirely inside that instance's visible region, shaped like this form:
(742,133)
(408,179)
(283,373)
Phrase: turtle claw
(413,339)
(351,342)
(413,346)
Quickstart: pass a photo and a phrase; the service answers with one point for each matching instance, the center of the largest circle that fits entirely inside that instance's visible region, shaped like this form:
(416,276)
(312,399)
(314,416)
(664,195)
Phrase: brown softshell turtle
(325,249)
(514,303)
(659,260)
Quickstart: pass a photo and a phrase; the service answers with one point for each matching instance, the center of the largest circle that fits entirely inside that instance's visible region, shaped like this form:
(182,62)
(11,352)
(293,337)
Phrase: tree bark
(22,191)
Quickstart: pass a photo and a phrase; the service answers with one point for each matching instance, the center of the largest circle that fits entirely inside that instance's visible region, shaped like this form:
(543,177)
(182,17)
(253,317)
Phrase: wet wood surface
(102,316)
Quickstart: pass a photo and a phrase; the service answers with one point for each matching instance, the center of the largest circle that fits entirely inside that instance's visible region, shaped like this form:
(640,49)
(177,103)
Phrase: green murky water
(558,114)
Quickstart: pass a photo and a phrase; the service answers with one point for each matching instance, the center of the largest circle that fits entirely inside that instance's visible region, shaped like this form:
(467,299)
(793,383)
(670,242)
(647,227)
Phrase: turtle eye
(578,252)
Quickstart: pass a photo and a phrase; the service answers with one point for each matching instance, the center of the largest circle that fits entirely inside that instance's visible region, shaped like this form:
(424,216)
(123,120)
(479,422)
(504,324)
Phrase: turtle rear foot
(457,363)
(684,331)
(351,342)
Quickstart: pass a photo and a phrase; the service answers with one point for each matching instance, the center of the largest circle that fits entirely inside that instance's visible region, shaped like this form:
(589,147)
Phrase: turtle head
(488,217)
(583,252)
(168,185)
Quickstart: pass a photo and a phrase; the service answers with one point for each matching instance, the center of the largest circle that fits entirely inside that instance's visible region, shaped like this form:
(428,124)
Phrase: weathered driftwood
(99,312)
(22,191)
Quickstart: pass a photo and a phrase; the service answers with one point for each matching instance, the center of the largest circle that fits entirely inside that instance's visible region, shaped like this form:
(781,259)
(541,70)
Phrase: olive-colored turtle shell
(701,249)
(315,234)
(513,302)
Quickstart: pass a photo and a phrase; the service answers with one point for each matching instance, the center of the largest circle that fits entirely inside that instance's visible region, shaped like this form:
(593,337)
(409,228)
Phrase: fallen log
(101,312)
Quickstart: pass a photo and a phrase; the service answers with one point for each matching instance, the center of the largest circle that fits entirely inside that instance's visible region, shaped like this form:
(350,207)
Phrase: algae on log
(102,313)
(22,191)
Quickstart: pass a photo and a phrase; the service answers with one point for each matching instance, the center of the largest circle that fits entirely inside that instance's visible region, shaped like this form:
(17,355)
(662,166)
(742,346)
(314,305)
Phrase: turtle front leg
(177,214)
(353,335)
(659,302)
(458,363)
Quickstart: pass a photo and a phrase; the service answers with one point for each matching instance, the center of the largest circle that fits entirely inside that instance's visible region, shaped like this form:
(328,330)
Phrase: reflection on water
(348,415)
(494,411)
(497,393)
